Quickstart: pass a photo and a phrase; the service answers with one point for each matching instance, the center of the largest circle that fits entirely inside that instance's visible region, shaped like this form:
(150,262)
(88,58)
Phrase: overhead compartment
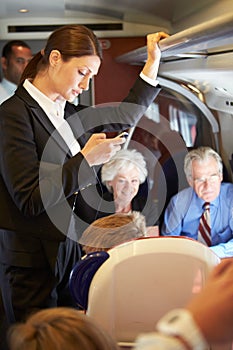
(200,57)
(203,39)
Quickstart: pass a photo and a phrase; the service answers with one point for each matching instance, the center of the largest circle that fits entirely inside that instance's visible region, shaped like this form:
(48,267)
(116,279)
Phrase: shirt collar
(50,107)
(214,203)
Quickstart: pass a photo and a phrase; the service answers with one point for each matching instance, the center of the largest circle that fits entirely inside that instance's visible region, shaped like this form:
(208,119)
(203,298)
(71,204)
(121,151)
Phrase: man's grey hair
(202,153)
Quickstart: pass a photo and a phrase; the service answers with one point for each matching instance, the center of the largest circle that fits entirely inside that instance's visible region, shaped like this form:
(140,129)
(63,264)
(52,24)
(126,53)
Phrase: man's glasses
(211,179)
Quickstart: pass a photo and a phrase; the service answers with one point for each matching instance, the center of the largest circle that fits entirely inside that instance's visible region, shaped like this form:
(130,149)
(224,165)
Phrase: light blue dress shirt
(183,214)
(7,89)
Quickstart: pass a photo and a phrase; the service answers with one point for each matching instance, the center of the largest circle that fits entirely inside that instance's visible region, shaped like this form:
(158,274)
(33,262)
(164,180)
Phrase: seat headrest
(82,274)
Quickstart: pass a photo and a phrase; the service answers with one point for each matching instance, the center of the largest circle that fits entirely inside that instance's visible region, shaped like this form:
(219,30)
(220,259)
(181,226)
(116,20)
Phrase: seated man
(112,230)
(204,211)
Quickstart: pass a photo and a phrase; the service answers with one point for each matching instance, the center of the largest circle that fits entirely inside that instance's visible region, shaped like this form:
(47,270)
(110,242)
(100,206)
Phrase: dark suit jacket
(37,211)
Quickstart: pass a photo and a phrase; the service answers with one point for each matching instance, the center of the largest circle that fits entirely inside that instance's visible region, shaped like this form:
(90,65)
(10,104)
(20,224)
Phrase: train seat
(134,284)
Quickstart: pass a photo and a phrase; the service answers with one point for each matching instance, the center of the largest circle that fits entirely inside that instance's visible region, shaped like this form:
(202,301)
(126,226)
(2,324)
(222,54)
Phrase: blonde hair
(59,328)
(109,231)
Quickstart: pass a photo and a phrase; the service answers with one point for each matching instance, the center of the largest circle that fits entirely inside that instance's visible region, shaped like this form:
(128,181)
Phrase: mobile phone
(123,134)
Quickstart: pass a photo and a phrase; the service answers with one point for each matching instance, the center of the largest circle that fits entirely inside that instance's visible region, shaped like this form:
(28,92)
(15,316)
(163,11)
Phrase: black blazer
(38,210)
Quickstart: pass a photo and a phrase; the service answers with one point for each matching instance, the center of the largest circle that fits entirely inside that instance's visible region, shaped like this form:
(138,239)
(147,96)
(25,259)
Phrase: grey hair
(200,154)
(125,159)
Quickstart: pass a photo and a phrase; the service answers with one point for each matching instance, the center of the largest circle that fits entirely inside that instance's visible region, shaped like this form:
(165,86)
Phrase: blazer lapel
(45,122)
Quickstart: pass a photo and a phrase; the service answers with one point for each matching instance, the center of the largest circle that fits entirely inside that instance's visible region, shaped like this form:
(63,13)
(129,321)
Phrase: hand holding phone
(123,134)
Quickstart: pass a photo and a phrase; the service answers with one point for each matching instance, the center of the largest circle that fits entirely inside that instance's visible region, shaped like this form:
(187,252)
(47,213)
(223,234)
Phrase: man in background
(204,210)
(15,56)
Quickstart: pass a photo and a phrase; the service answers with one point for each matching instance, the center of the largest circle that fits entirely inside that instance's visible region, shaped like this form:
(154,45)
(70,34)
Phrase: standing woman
(47,156)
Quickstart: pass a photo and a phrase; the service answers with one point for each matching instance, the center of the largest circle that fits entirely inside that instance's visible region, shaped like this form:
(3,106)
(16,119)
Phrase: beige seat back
(145,278)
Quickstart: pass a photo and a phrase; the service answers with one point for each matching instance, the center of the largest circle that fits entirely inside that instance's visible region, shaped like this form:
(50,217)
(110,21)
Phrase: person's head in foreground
(59,328)
(109,231)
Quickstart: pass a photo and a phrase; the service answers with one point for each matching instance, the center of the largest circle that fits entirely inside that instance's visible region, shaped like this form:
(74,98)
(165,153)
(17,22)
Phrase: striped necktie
(204,230)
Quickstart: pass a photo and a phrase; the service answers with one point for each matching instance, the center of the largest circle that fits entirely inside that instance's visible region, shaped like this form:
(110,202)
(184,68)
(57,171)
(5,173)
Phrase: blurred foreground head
(59,329)
(112,230)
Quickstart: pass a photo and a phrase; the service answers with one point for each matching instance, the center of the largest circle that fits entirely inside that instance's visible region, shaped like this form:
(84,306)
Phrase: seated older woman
(122,176)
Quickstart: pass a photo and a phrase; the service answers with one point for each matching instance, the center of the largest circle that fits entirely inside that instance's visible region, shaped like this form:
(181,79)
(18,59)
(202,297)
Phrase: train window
(182,115)
(184,123)
(170,126)
(171,111)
